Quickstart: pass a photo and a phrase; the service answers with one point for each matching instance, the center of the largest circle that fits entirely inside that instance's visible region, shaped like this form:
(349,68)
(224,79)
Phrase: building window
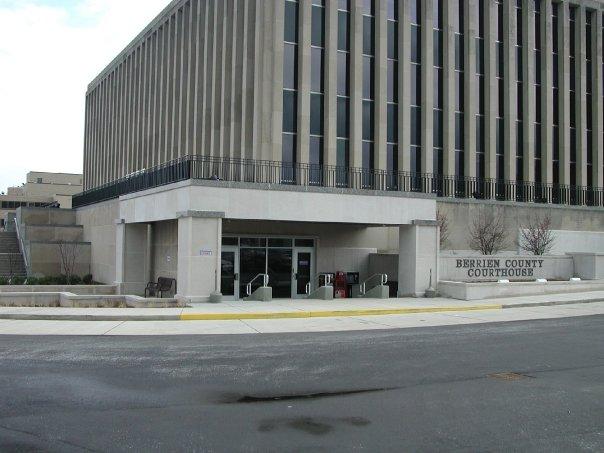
(519,94)
(556,99)
(290,91)
(500,119)
(459,74)
(392,95)
(573,106)
(368,11)
(537,88)
(416,87)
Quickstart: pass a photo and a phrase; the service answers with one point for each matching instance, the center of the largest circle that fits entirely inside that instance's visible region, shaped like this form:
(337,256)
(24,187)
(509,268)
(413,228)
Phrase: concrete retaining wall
(512,267)
(70,300)
(74,289)
(477,291)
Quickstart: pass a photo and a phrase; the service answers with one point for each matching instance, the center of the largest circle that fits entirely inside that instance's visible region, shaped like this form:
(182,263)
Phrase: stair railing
(22,247)
(248,287)
(363,286)
(317,279)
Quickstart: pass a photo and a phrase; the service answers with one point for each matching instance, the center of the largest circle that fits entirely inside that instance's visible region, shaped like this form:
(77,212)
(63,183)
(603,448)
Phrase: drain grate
(509,376)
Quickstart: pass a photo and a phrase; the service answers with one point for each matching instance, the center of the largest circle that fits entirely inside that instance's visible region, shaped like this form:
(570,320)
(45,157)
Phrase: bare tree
(443,224)
(537,236)
(487,233)
(68,253)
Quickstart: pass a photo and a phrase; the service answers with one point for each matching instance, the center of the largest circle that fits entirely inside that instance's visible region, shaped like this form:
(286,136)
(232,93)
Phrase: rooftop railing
(270,172)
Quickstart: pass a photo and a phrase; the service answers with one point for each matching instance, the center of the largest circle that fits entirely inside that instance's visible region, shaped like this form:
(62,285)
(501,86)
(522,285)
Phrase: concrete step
(12,264)
(9,242)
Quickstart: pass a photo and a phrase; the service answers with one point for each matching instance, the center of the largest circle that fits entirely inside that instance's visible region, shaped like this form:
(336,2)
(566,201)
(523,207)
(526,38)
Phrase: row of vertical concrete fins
(185,87)
(207,79)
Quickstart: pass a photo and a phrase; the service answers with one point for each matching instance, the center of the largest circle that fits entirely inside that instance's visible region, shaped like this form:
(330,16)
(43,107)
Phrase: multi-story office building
(288,137)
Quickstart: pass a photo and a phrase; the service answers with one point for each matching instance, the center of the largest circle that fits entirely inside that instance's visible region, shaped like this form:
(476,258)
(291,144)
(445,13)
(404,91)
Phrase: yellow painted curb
(329,314)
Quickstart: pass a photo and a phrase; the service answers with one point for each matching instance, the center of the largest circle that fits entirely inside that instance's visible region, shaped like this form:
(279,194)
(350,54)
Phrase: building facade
(404,101)
(40,189)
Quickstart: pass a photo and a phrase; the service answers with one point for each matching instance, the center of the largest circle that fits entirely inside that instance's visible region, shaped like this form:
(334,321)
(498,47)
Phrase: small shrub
(87,279)
(60,280)
(3,281)
(75,280)
(33,281)
(17,281)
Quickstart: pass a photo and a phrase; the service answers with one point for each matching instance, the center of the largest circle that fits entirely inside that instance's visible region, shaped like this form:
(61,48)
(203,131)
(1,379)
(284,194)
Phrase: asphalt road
(424,389)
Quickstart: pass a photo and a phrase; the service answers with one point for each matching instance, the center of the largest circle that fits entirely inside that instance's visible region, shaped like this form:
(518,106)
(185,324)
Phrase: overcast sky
(49,51)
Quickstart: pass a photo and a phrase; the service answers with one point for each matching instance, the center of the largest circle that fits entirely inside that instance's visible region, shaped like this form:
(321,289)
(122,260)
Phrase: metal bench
(163,285)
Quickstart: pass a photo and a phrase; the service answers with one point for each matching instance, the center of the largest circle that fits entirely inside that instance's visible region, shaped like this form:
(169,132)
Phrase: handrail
(363,286)
(318,279)
(248,287)
(21,246)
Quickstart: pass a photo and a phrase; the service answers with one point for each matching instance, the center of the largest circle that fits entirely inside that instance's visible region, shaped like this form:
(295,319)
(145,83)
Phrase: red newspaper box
(340,286)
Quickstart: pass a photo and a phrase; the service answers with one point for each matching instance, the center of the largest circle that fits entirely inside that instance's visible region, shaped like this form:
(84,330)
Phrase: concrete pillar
(510,90)
(470,87)
(490,89)
(427,115)
(418,257)
(199,255)
(304,68)
(450,14)
(580,90)
(404,85)
(547,96)
(597,104)
(564,72)
(381,78)
(330,82)
(132,257)
(528,95)
(356,85)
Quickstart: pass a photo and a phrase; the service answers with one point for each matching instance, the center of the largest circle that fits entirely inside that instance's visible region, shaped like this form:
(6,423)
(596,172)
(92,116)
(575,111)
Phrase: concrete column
(304,68)
(427,115)
(199,255)
(330,83)
(528,86)
(547,96)
(564,73)
(356,85)
(510,90)
(450,14)
(132,257)
(491,90)
(404,85)
(597,102)
(381,80)
(580,90)
(418,257)
(470,85)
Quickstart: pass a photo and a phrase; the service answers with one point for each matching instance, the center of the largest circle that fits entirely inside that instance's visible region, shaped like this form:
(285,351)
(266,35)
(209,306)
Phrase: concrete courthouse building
(234,138)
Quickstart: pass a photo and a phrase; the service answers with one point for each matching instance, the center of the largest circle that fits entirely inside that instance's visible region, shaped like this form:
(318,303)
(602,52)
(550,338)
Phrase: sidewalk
(294,309)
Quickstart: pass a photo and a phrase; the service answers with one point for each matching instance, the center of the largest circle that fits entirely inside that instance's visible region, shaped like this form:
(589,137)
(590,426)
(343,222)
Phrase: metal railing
(248,287)
(22,247)
(317,279)
(363,286)
(270,172)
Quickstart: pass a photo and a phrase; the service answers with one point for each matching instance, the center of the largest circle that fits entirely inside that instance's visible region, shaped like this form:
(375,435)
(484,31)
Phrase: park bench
(163,285)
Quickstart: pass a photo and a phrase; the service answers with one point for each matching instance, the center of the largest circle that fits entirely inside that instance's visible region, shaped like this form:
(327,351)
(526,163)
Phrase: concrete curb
(285,315)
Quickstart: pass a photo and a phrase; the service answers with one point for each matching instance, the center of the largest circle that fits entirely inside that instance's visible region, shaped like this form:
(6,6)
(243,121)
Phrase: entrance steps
(322,293)
(377,292)
(11,260)
(262,294)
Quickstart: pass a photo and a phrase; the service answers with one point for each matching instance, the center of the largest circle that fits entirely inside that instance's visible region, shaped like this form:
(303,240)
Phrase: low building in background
(40,189)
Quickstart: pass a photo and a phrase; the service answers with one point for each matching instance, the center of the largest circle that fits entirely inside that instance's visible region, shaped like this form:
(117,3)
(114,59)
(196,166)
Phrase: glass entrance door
(279,270)
(229,273)
(303,271)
